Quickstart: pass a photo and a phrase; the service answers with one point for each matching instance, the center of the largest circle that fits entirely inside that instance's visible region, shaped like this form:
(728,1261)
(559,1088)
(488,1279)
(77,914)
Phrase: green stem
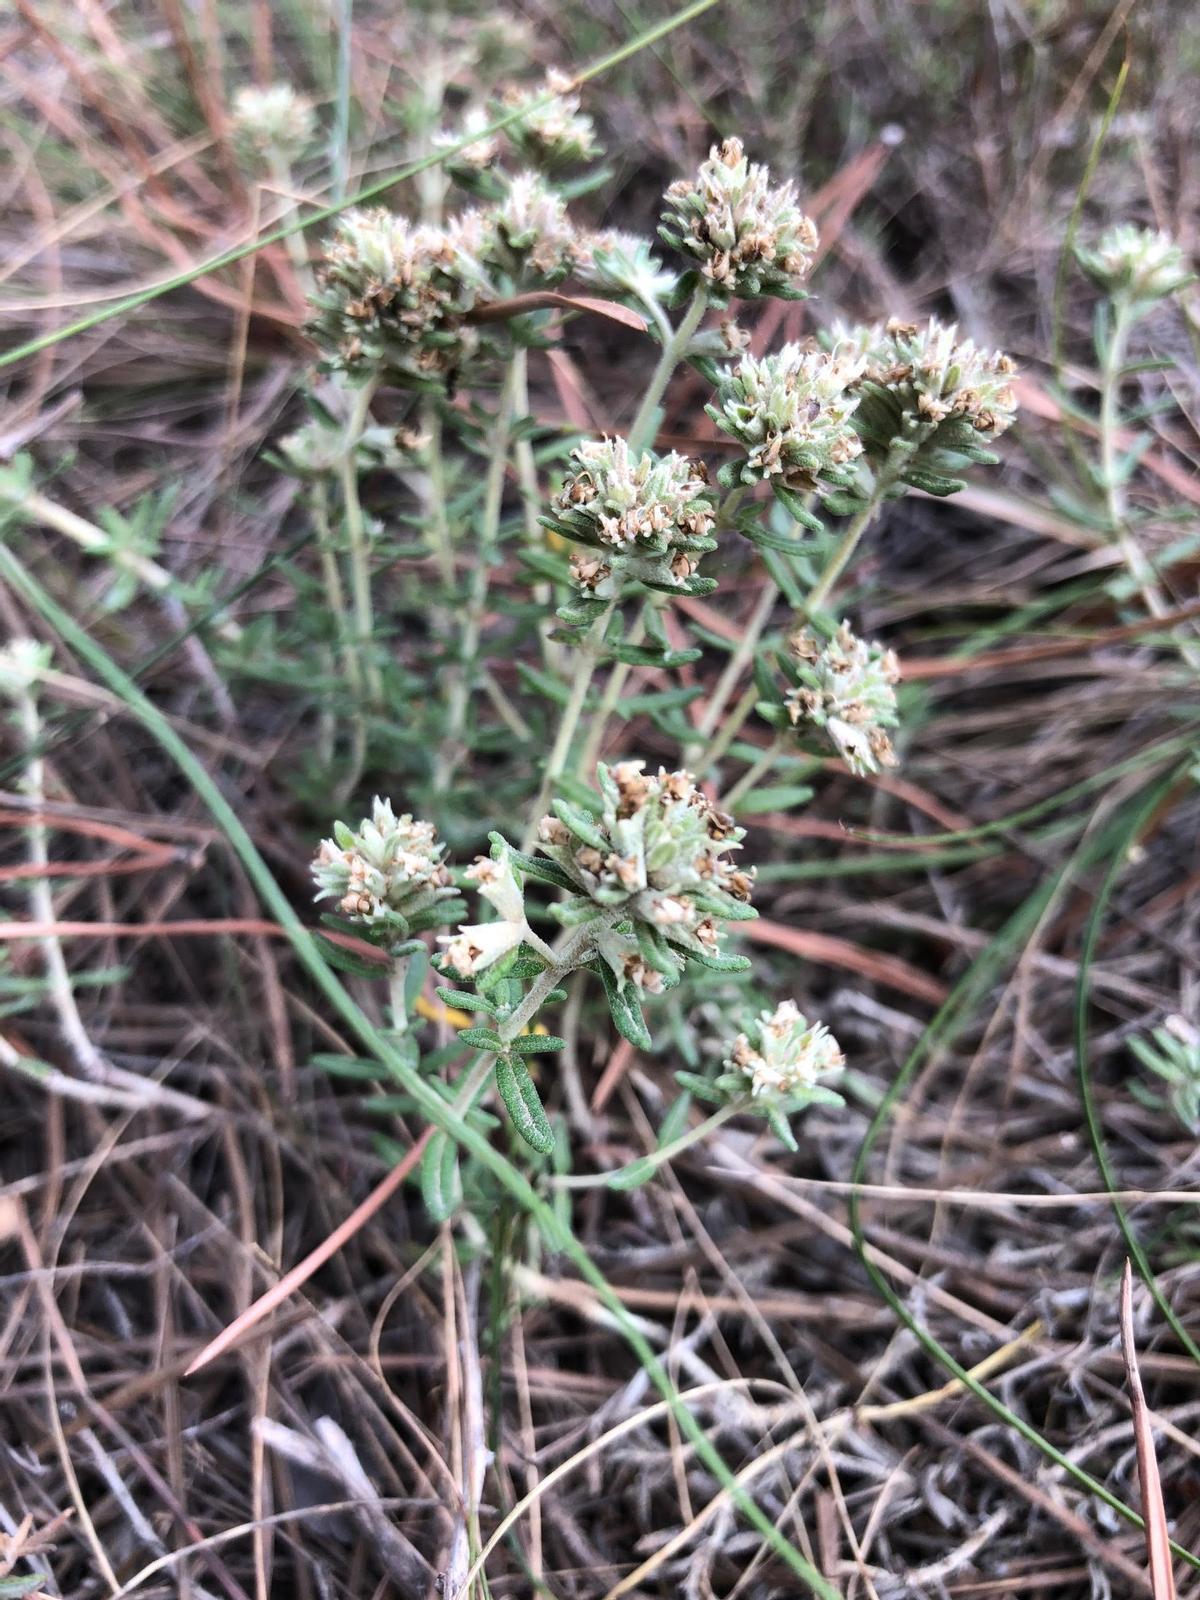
(646,1166)
(751,776)
(356,536)
(645,425)
(738,661)
(608,703)
(585,668)
(844,549)
(481,572)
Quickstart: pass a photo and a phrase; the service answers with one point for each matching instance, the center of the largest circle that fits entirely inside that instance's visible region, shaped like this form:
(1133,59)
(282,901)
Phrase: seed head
(749,239)
(386,873)
(846,687)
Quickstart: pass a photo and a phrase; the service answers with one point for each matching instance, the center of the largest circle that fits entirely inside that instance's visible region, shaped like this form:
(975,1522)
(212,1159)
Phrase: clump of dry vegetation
(549,486)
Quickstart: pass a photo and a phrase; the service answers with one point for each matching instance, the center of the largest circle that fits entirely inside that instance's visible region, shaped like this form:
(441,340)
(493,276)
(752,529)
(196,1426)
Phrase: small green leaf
(348,961)
(519,1093)
(626,1011)
(440,1186)
(481,1039)
(465,1001)
(777,797)
(537,1044)
(580,824)
(703,1088)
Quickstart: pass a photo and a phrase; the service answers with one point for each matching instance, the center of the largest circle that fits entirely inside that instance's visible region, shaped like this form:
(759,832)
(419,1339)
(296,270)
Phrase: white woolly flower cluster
(272,122)
(660,854)
(781,1055)
(1140,262)
(749,238)
(650,516)
(22,663)
(932,376)
(624,263)
(846,686)
(530,231)
(387,873)
(792,412)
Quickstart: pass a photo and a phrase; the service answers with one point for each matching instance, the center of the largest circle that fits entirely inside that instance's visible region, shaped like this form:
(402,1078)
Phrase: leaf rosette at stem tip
(656,867)
(844,686)
(793,414)
(750,239)
(926,401)
(774,1067)
(387,877)
(649,519)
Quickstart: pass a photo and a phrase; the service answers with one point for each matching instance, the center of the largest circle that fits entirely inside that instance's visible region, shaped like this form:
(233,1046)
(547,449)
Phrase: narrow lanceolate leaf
(626,1010)
(481,1039)
(465,1001)
(634,1175)
(440,1187)
(537,1044)
(581,825)
(347,961)
(519,1093)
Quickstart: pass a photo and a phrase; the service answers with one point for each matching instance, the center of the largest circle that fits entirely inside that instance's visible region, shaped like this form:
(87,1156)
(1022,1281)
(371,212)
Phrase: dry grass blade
(1158,1537)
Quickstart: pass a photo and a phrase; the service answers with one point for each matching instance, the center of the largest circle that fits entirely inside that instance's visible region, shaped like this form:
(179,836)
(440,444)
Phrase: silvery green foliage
(22,663)
(1172,1053)
(749,239)
(925,398)
(477,946)
(625,263)
(845,686)
(793,413)
(318,445)
(466,165)
(660,854)
(272,123)
(388,876)
(649,518)
(554,135)
(391,298)
(1136,262)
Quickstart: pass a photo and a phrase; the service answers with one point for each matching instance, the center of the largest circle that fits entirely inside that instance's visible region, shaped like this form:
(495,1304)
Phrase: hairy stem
(360,557)
(644,425)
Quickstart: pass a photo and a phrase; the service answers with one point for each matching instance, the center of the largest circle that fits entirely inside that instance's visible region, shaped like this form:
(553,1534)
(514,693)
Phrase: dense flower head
(650,516)
(391,297)
(792,412)
(624,263)
(531,236)
(781,1055)
(846,686)
(554,134)
(659,853)
(273,122)
(387,872)
(933,384)
(1140,262)
(749,239)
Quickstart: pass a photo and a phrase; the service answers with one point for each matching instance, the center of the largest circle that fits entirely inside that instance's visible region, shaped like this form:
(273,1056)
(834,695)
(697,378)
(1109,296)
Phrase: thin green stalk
(585,668)
(752,774)
(608,702)
(481,573)
(359,548)
(428,1101)
(843,550)
(645,425)
(637,1172)
(729,732)
(738,661)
